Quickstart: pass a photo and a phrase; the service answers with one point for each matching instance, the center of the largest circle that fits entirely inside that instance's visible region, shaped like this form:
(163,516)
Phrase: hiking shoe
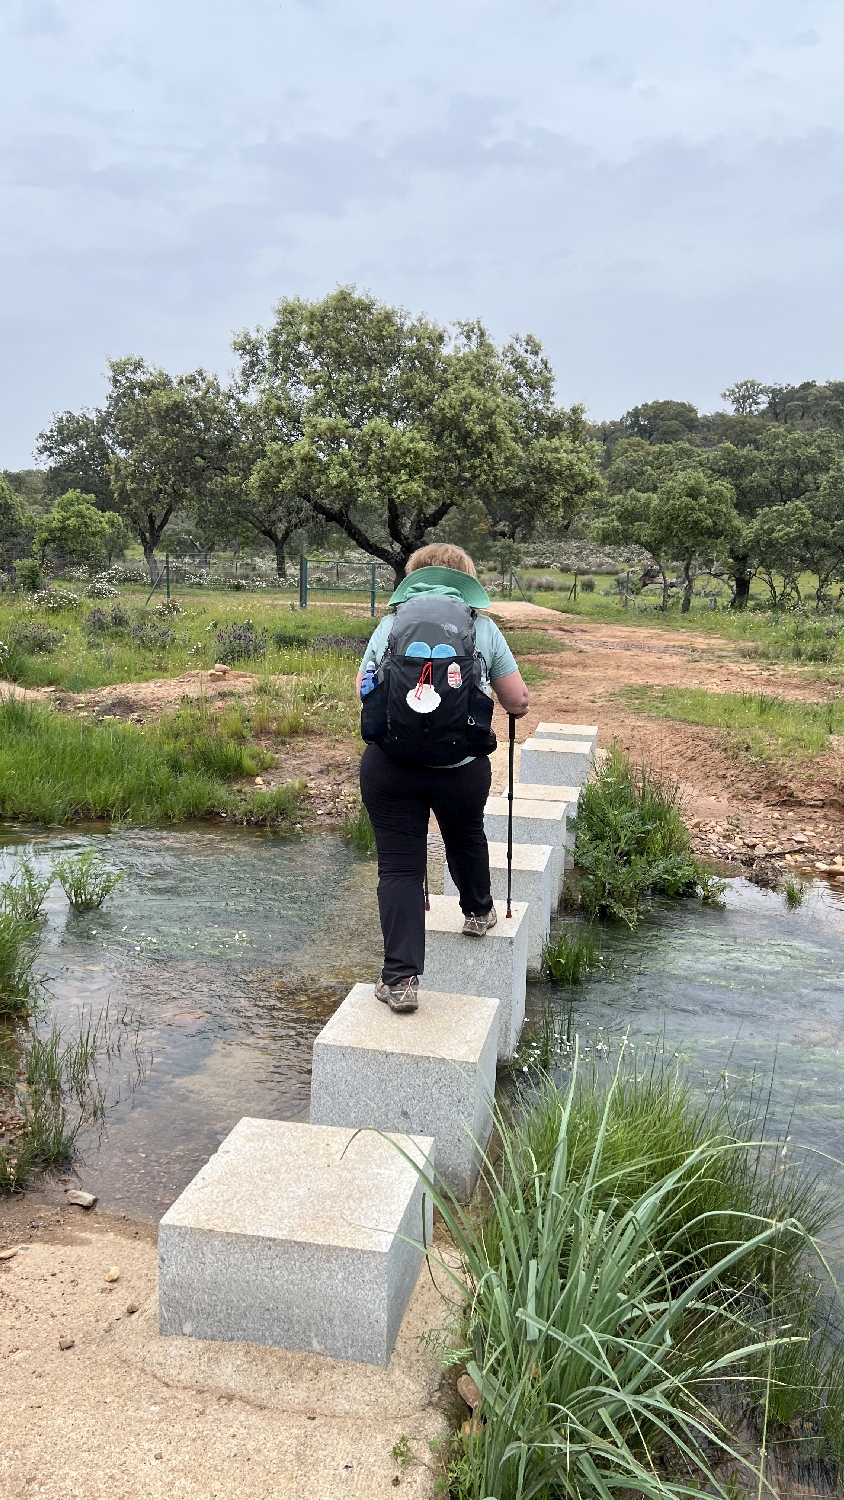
(401,996)
(476,925)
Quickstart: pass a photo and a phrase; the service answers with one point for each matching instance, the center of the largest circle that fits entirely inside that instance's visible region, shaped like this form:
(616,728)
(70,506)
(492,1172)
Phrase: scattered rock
(469,1391)
(131,1307)
(66,1343)
(81,1200)
(113,1273)
(765,874)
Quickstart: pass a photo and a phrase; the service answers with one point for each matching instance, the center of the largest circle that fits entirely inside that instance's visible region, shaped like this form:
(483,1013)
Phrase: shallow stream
(222,954)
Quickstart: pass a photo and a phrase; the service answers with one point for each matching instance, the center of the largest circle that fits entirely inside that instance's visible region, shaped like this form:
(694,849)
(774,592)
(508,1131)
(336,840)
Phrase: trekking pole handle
(511,754)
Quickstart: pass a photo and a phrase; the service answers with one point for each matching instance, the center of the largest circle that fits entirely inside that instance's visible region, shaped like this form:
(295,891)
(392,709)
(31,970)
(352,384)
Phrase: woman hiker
(426,683)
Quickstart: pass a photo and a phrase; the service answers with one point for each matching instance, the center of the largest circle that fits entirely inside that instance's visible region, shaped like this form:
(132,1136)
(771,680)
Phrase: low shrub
(101,589)
(106,622)
(23,894)
(240,642)
(586,583)
(35,639)
(54,601)
(86,880)
(151,637)
(28,575)
(631,842)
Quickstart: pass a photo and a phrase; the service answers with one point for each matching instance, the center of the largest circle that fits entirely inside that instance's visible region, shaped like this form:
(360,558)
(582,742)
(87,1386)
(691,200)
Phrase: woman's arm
(512,694)
(358,683)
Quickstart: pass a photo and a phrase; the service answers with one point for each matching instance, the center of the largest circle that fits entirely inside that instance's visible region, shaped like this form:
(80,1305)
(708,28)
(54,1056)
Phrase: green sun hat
(449,581)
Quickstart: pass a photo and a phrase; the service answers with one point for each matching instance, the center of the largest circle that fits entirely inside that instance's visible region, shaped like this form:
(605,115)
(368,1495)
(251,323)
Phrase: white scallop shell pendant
(424,698)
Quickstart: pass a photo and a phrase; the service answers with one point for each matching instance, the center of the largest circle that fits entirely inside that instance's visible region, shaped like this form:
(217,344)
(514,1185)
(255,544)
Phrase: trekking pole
(512,753)
(427,896)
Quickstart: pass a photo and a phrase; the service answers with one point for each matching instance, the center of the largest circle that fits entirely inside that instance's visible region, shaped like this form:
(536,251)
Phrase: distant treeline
(351,423)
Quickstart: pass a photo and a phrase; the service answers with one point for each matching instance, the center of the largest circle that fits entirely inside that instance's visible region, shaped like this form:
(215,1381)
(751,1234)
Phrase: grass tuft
(569,956)
(17,957)
(794,892)
(23,896)
(632,844)
(619,1284)
(86,880)
(360,831)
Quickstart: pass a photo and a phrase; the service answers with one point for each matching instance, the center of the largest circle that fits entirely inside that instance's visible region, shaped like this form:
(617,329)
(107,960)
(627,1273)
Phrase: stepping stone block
(581,732)
(570,795)
(429,1074)
(556,762)
(533,823)
(300,1236)
(533,882)
(492,965)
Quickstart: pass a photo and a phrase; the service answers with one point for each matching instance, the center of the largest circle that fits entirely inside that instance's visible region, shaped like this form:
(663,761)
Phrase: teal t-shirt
(491,646)
(498,659)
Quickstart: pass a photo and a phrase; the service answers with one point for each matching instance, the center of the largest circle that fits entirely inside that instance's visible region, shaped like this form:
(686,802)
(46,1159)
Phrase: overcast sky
(654,188)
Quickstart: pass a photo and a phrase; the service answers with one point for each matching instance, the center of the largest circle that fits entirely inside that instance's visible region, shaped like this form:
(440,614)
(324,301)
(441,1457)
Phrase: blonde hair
(441,555)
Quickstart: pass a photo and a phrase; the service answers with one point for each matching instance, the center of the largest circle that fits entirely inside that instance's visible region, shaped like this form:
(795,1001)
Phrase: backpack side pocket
(374,719)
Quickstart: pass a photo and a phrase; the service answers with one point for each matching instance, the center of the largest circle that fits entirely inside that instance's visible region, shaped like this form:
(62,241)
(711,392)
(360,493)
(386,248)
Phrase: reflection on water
(235,948)
(752,989)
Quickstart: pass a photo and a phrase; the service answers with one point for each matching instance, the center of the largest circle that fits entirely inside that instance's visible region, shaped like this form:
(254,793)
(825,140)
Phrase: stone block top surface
(305,1184)
(525,856)
(559,747)
(497,807)
(533,791)
(445,916)
(445,1026)
(566,731)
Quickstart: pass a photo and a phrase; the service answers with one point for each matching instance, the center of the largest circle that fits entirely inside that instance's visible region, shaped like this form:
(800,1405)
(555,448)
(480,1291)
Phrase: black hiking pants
(399,800)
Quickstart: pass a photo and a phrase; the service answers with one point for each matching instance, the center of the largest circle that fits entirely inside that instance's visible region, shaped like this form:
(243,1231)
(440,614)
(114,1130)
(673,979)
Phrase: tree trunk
(152,563)
(688,585)
(280,559)
(742,581)
(664,591)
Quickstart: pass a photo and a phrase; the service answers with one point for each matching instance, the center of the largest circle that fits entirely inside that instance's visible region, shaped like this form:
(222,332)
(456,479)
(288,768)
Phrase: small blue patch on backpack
(444,650)
(418,648)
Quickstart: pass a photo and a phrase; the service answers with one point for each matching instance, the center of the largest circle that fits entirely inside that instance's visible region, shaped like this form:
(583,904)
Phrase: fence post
(372,590)
(167,573)
(303,582)
(627,591)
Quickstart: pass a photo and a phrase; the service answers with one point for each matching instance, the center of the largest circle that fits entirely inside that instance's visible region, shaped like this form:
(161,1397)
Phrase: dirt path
(120,1413)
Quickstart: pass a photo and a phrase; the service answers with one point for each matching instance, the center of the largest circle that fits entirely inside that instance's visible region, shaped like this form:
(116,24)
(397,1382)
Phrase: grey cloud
(40,18)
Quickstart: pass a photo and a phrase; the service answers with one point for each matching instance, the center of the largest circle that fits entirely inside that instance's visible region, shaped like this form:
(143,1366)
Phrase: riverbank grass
(56,769)
(636,1269)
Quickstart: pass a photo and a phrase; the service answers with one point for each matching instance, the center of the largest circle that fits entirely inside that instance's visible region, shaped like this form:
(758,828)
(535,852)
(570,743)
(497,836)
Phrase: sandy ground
(124,1413)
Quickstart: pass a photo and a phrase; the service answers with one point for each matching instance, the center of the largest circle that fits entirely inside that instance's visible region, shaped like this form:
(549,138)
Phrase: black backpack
(427,705)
